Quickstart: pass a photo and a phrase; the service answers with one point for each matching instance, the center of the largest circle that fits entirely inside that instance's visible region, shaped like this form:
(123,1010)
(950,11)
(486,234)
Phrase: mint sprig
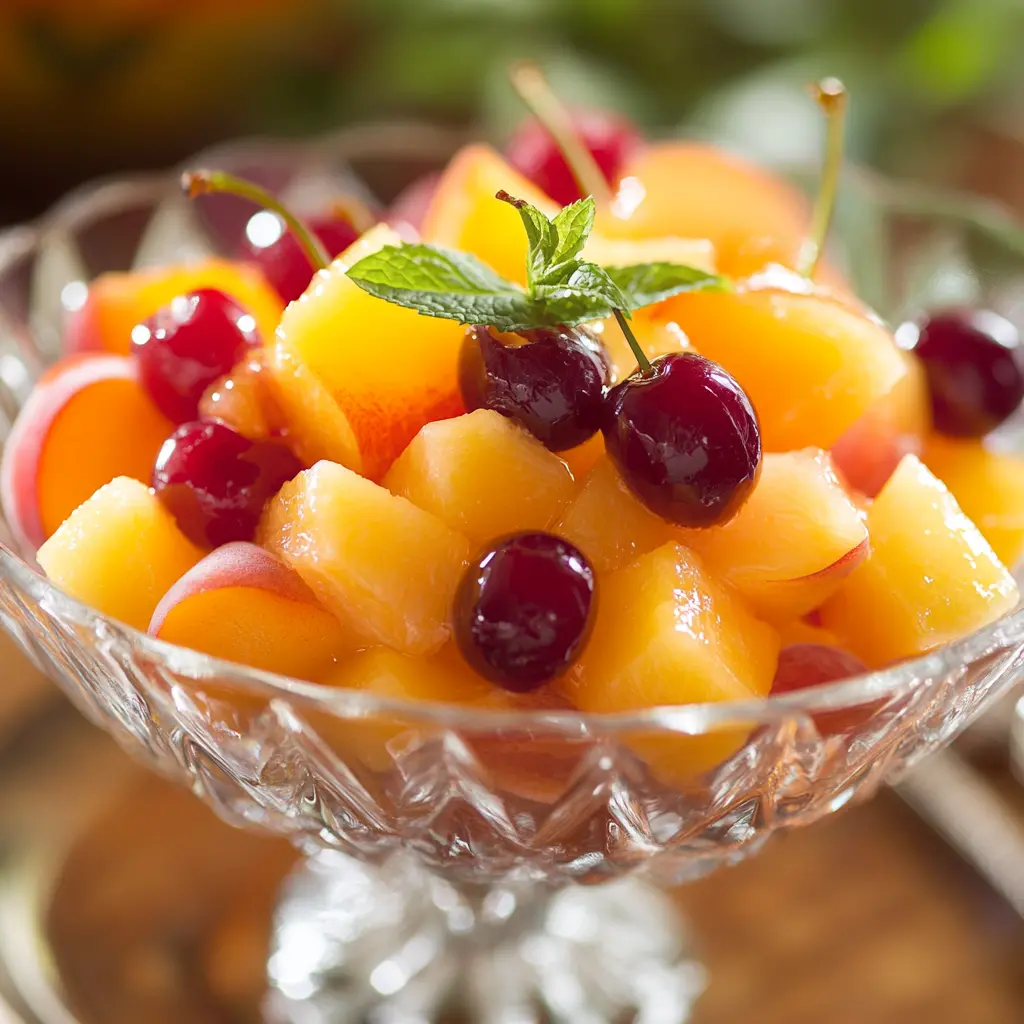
(562,287)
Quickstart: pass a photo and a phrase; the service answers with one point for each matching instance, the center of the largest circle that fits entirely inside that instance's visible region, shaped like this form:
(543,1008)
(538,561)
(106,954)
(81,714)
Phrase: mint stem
(831,96)
(198,183)
(641,359)
(529,82)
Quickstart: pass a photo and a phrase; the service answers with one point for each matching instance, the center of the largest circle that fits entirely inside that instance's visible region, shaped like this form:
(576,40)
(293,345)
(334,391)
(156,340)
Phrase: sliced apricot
(119,551)
(243,604)
(930,578)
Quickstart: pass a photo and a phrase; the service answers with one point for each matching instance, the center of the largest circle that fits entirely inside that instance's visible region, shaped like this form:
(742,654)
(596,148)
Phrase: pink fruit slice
(243,604)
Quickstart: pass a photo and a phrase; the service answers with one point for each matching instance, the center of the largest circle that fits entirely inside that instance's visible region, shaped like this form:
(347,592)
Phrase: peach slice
(87,420)
(930,578)
(607,522)
(356,377)
(894,425)
(669,633)
(810,365)
(120,551)
(386,568)
(794,540)
(243,604)
(482,475)
(464,214)
(116,302)
(988,486)
(694,190)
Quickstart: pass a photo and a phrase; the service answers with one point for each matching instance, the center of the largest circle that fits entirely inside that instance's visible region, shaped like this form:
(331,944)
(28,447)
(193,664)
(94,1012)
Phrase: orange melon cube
(482,475)
(608,523)
(582,459)
(988,486)
(810,365)
(242,604)
(668,633)
(794,540)
(120,551)
(931,577)
(464,213)
(356,377)
(384,567)
(116,302)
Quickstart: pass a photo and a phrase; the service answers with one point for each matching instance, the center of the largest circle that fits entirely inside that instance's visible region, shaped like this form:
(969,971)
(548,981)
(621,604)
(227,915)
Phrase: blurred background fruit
(87,88)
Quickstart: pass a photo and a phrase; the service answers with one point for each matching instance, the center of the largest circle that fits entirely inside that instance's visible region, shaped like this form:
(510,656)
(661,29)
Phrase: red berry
(551,380)
(270,245)
(524,610)
(535,153)
(806,665)
(685,438)
(972,360)
(215,481)
(184,347)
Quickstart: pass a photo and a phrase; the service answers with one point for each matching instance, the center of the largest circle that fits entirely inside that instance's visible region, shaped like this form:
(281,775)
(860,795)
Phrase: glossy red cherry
(685,438)
(551,380)
(524,610)
(215,481)
(184,347)
(270,245)
(972,359)
(535,153)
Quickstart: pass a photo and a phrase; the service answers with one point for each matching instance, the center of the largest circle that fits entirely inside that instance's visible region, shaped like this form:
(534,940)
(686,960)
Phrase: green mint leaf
(573,224)
(443,283)
(540,232)
(587,294)
(647,283)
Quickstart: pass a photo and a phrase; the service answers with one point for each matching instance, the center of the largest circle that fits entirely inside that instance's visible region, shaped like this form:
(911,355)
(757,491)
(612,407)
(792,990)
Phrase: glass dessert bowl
(453,851)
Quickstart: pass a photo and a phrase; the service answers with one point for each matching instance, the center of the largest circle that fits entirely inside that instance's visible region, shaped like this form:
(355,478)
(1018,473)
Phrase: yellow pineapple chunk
(119,551)
(482,475)
(608,523)
(930,578)
(382,565)
(667,633)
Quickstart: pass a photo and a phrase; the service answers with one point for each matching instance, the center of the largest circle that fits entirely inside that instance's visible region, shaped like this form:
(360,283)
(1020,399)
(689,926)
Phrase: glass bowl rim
(685,719)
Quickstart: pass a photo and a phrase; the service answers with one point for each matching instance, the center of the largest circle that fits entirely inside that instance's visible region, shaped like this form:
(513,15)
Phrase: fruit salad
(590,424)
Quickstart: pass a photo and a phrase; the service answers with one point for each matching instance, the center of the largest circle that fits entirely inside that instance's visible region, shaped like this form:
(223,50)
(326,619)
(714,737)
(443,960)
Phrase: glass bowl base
(355,943)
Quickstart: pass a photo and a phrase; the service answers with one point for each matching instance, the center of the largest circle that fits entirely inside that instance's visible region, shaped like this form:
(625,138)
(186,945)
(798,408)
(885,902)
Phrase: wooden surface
(161,916)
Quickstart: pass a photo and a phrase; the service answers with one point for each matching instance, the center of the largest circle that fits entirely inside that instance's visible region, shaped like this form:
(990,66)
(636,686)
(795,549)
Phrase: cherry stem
(830,94)
(533,89)
(641,359)
(201,183)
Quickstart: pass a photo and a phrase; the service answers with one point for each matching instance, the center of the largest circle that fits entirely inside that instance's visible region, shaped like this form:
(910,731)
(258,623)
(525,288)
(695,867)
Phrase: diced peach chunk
(88,420)
(482,475)
(464,214)
(383,566)
(116,302)
(694,190)
(120,552)
(794,540)
(894,425)
(930,578)
(608,523)
(243,604)
(668,633)
(988,486)
(810,365)
(800,631)
(244,400)
(582,459)
(356,376)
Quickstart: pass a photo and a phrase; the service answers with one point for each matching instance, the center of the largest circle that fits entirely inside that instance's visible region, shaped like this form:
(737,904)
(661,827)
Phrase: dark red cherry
(215,481)
(535,153)
(524,610)
(270,245)
(972,360)
(552,380)
(685,438)
(184,347)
